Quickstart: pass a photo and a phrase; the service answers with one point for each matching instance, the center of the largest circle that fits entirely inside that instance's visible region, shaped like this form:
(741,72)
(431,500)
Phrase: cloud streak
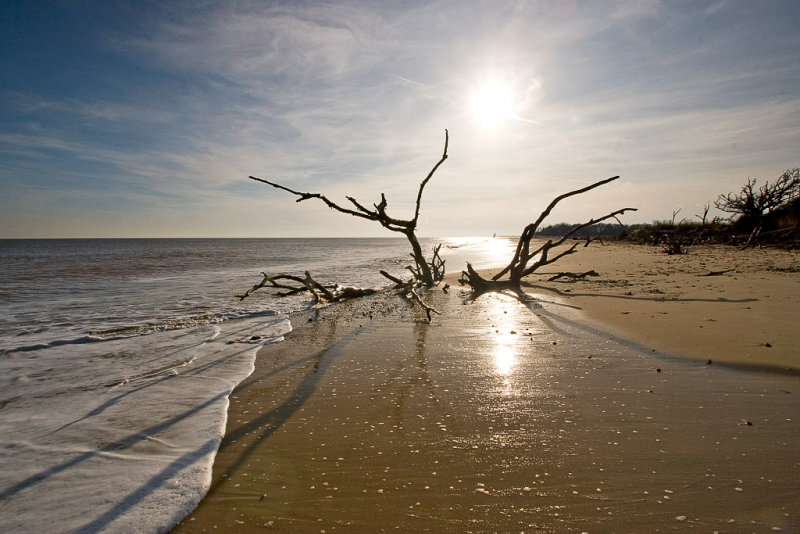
(177,104)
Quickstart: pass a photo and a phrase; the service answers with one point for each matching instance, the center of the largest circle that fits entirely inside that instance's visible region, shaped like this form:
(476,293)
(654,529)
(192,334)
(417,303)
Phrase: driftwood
(320,293)
(408,290)
(520,265)
(428,273)
(425,273)
(573,276)
(718,273)
(398,283)
(428,309)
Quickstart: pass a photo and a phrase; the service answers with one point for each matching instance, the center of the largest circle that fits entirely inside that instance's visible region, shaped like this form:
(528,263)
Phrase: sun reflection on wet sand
(504,318)
(495,418)
(504,359)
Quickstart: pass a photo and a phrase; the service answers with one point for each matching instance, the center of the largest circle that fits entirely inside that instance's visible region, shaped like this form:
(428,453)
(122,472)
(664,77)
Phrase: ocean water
(117,358)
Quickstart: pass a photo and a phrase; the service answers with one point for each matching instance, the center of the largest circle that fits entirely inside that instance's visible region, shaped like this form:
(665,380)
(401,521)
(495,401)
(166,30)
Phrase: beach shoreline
(498,416)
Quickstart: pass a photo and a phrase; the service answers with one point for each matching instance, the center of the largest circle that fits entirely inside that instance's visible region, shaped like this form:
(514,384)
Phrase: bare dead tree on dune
(752,204)
(526,261)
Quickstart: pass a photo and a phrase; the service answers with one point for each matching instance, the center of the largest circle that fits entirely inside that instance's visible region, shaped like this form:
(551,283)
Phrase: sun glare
(492,102)
(499,248)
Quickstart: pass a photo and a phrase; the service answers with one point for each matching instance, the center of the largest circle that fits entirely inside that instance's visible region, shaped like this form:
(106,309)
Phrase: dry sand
(504,417)
(718,303)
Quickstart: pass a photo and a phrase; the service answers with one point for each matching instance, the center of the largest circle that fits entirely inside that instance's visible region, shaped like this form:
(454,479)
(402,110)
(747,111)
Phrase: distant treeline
(768,214)
(597,230)
(778,227)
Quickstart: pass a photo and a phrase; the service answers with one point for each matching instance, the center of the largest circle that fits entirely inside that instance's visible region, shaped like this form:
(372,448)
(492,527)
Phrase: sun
(492,103)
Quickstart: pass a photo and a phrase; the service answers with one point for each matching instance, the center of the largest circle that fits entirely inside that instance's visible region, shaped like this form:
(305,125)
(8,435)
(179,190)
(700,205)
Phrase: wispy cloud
(182,102)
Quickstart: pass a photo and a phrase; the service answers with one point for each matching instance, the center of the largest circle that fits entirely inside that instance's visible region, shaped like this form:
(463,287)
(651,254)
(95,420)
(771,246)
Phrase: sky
(145,118)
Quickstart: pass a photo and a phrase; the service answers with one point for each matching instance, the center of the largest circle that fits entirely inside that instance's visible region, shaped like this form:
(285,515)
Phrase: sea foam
(119,436)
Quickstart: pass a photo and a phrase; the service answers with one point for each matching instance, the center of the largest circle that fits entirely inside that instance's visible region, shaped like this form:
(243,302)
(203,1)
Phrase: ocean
(117,357)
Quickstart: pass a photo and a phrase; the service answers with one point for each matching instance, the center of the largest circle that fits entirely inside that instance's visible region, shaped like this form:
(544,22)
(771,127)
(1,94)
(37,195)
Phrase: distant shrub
(753,207)
(596,230)
(768,215)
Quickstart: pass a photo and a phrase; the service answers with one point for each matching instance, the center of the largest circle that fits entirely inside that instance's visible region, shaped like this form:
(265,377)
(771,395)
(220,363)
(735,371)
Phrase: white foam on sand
(120,435)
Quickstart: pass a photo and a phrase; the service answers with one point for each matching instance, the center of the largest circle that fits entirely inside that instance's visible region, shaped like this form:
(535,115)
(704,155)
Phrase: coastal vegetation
(773,207)
(768,215)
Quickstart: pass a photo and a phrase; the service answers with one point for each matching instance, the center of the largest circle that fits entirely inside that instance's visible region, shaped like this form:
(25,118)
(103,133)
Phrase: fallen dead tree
(288,284)
(320,293)
(425,273)
(526,261)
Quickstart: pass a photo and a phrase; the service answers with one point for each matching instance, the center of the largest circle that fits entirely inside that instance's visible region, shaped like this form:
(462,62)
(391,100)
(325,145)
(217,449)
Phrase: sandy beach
(509,417)
(715,302)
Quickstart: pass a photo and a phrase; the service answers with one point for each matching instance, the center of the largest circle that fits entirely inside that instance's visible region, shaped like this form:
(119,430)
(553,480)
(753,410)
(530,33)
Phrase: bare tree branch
(426,272)
(305,196)
(430,175)
(527,234)
(428,309)
(320,293)
(518,267)
(573,276)
(398,283)
(547,246)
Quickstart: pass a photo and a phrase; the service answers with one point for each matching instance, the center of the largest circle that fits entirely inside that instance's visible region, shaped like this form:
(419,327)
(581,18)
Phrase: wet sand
(498,417)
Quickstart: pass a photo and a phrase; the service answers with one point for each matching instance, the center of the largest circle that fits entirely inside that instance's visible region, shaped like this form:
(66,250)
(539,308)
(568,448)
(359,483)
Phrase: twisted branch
(426,272)
(518,267)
